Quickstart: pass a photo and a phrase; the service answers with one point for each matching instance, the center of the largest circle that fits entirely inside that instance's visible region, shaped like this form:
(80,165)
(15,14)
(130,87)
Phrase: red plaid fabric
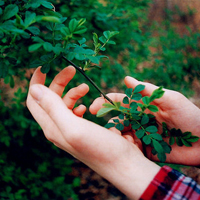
(170,184)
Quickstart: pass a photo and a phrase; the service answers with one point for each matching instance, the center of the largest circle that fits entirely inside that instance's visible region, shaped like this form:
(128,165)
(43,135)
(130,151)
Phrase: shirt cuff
(156,189)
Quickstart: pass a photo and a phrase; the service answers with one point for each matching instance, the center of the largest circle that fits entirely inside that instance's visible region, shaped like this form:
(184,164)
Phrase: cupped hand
(175,110)
(113,157)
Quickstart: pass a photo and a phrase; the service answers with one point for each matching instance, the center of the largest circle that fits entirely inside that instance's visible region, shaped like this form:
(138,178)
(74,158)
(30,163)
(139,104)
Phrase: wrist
(132,174)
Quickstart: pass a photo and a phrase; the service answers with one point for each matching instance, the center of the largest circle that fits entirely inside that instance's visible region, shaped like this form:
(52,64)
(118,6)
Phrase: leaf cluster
(134,116)
(178,137)
(47,31)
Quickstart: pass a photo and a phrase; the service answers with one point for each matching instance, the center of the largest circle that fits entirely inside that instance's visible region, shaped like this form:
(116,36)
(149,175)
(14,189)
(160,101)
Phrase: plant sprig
(145,125)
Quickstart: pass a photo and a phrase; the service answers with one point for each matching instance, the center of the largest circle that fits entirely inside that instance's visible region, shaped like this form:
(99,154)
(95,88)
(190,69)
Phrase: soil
(93,186)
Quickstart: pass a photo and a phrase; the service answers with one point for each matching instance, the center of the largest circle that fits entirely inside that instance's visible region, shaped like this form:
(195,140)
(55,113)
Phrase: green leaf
(125,100)
(140,133)
(157,146)
(116,120)
(109,125)
(65,31)
(80,56)
(151,129)
(34,47)
(106,34)
(113,33)
(95,39)
(1,3)
(70,55)
(193,139)
(186,143)
(103,111)
(187,135)
(139,88)
(166,147)
(179,141)
(111,42)
(82,41)
(30,18)
(109,34)
(146,139)
(126,123)
(129,92)
(103,39)
(76,182)
(81,21)
(10,11)
(47,4)
(136,97)
(117,104)
(158,93)
(45,68)
(156,136)
(108,105)
(120,127)
(34,30)
(89,52)
(145,120)
(135,126)
(72,25)
(48,46)
(133,105)
(162,157)
(35,63)
(135,116)
(47,57)
(48,19)
(80,30)
(3,69)
(171,140)
(37,39)
(153,108)
(145,100)
(93,59)
(121,116)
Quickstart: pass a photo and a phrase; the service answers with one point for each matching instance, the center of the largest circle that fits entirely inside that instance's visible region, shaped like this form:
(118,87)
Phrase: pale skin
(115,156)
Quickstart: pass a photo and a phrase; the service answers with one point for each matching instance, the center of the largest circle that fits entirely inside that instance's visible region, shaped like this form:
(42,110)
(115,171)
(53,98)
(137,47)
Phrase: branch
(88,78)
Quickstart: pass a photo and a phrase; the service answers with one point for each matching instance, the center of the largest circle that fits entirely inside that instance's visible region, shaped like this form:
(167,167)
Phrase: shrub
(31,167)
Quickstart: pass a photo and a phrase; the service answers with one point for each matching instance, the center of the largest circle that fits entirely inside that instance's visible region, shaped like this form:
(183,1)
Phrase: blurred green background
(158,42)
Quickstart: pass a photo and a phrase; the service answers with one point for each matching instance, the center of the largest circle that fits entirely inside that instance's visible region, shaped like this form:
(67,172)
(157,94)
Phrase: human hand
(110,155)
(174,109)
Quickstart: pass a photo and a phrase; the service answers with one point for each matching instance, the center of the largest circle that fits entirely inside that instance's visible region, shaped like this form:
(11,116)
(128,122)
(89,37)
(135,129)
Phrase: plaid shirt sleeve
(170,184)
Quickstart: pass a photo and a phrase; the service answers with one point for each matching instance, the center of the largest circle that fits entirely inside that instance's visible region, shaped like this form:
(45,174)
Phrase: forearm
(116,159)
(135,178)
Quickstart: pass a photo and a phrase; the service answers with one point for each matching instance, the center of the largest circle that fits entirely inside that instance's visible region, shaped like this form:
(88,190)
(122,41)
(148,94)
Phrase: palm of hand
(176,111)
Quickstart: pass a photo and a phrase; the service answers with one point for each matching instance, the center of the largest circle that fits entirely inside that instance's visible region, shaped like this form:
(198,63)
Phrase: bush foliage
(32,33)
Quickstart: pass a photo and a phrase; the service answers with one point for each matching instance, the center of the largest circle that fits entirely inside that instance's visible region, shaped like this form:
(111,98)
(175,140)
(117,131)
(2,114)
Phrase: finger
(98,103)
(62,79)
(51,131)
(132,83)
(129,138)
(38,77)
(78,133)
(74,94)
(79,111)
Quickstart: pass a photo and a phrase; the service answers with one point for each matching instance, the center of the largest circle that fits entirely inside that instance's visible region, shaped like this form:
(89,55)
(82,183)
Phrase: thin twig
(88,78)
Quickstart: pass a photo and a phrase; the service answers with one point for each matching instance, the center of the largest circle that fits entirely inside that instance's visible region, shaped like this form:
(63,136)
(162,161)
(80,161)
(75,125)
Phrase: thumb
(132,83)
(53,105)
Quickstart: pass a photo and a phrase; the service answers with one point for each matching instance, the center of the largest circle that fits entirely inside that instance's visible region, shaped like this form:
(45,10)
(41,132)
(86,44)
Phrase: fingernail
(36,92)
